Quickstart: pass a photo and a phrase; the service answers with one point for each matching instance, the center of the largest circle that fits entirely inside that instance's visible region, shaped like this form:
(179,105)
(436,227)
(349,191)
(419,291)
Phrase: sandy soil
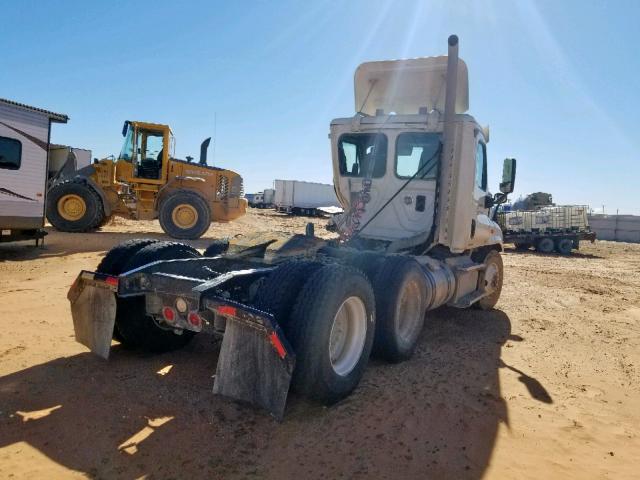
(546,386)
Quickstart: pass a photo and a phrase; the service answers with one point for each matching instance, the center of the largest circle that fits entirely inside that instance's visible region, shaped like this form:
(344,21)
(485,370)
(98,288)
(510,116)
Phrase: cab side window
(362,155)
(481,166)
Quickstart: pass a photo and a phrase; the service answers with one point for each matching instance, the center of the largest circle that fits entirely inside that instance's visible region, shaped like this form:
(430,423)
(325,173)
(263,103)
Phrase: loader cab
(145,152)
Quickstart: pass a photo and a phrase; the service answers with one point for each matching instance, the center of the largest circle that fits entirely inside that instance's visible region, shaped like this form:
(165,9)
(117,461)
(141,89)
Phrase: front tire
(332,330)
(74,206)
(184,215)
(491,278)
(401,302)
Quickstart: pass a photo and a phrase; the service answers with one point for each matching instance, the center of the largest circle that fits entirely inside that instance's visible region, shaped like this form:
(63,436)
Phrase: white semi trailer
(303,198)
(300,312)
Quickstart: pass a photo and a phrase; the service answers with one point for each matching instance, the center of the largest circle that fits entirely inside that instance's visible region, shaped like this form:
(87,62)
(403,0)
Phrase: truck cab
(390,165)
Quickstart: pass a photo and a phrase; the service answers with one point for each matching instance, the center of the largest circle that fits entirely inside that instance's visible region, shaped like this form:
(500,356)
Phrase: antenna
(215,138)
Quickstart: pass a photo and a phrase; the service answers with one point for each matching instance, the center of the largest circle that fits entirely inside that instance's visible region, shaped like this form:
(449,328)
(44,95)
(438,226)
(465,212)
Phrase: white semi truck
(300,312)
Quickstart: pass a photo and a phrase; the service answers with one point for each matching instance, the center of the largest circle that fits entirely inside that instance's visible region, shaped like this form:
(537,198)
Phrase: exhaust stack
(203,151)
(446,170)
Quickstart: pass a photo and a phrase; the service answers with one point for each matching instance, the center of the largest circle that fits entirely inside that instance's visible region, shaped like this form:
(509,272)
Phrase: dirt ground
(546,386)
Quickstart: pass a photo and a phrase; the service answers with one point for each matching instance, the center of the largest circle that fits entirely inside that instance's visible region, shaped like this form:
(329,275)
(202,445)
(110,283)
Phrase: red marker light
(194,319)
(113,281)
(168,314)
(277,344)
(227,310)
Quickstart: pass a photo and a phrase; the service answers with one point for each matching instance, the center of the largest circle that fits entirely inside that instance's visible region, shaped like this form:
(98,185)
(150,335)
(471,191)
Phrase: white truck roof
(402,86)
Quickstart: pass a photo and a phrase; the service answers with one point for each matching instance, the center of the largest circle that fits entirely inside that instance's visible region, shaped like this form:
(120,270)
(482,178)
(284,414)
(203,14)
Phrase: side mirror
(508,175)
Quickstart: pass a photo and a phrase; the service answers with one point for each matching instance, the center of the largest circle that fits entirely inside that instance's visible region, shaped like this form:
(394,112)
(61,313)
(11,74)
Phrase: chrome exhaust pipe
(446,163)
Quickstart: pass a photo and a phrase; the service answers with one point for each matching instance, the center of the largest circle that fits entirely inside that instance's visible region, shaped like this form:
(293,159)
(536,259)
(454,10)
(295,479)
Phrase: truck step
(468,267)
(468,300)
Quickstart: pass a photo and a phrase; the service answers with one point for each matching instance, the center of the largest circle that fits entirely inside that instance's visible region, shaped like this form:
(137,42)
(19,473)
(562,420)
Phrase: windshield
(127,148)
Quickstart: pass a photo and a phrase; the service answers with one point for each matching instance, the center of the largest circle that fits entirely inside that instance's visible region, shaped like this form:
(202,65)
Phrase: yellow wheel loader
(146,182)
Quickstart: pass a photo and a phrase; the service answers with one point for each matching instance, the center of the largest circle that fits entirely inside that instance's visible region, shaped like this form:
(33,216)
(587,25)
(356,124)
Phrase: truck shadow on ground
(435,416)
(59,244)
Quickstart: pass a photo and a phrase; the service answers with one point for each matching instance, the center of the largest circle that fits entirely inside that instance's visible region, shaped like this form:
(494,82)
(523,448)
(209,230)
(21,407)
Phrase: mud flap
(255,366)
(93,308)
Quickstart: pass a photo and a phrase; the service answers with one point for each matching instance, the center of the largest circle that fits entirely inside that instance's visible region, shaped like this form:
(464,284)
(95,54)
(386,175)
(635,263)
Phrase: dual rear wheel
(334,317)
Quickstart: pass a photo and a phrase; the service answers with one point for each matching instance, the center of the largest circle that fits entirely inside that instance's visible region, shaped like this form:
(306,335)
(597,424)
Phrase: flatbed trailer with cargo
(549,229)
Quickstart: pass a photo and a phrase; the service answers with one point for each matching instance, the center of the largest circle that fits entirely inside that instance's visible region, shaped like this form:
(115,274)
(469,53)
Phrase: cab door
(149,155)
(143,158)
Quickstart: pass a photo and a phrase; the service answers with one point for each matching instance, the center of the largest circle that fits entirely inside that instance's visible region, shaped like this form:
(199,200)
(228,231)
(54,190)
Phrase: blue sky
(556,81)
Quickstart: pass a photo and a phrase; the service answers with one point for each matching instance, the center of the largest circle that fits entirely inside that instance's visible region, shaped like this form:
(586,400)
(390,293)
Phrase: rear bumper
(161,292)
(256,361)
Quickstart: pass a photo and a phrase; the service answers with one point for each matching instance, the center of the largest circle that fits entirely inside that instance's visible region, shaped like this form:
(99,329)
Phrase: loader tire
(545,245)
(331,330)
(218,247)
(139,330)
(494,273)
(280,291)
(74,206)
(184,215)
(401,302)
(564,246)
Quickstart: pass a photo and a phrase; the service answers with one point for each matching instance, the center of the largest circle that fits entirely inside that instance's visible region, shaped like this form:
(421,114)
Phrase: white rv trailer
(25,134)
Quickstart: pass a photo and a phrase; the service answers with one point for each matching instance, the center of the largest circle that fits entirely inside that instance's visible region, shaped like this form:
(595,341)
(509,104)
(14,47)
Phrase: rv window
(418,153)
(10,153)
(362,155)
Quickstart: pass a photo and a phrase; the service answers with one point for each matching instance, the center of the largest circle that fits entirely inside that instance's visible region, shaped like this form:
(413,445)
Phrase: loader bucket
(255,363)
(93,308)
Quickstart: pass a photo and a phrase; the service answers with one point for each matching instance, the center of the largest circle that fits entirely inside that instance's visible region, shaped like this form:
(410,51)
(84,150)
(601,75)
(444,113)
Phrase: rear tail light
(113,281)
(195,319)
(169,314)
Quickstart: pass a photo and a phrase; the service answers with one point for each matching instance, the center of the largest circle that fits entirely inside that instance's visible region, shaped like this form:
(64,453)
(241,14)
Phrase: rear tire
(332,330)
(218,247)
(564,246)
(184,215)
(74,206)
(114,261)
(139,330)
(545,245)
(401,301)
(280,291)
(367,262)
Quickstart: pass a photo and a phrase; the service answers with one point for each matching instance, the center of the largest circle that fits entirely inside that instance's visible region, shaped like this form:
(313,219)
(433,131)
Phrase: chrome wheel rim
(408,312)
(348,335)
